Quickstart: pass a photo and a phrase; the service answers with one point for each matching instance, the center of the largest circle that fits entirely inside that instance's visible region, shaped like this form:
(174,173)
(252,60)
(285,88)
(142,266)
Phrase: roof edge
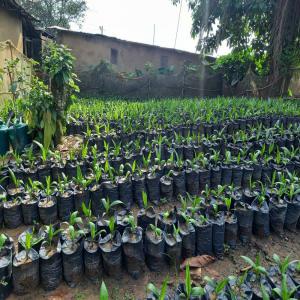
(57,28)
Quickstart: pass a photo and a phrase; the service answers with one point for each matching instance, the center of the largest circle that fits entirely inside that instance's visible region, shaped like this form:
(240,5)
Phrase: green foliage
(109,205)
(74,219)
(56,12)
(270,28)
(3,239)
(28,241)
(51,233)
(190,291)
(103,292)
(235,65)
(58,65)
(159,294)
(40,112)
(255,266)
(157,231)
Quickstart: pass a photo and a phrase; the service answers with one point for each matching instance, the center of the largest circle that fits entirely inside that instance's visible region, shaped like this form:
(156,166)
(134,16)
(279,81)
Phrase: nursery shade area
(151,184)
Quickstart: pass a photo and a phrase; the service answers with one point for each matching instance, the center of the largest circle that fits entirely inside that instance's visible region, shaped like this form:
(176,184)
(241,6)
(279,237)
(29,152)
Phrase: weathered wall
(23,67)
(11,29)
(91,49)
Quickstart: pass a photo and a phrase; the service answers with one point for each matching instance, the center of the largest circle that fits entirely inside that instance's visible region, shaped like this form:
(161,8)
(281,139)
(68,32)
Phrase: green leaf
(103,292)
(153,289)
(163,290)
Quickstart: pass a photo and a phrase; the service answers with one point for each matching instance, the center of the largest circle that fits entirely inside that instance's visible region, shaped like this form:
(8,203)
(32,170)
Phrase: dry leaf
(198,261)
(196,273)
(212,273)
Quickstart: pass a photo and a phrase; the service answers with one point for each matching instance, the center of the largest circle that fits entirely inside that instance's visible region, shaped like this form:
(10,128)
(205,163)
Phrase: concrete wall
(11,29)
(90,49)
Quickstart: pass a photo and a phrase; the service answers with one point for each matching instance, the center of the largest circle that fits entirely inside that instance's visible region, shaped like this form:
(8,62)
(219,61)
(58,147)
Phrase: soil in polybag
(133,249)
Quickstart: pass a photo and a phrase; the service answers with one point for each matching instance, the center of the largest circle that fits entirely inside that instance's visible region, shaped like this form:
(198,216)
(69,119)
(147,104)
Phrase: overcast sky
(134,20)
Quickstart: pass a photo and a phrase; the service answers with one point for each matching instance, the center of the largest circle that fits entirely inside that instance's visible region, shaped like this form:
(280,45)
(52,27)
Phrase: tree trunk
(285,27)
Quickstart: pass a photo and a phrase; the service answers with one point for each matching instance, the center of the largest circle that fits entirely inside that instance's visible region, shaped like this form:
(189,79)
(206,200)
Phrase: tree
(56,12)
(269,28)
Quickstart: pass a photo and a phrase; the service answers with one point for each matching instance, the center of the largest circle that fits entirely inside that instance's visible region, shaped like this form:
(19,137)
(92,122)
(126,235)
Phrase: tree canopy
(56,12)
(270,29)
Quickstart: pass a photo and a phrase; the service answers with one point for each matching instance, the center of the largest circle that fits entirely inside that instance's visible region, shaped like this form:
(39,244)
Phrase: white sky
(134,20)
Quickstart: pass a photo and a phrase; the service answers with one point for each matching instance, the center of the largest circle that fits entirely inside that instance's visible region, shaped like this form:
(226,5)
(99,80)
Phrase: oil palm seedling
(81,193)
(156,293)
(48,203)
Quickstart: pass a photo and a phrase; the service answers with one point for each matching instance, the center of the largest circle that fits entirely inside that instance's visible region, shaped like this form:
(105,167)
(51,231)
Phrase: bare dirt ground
(129,289)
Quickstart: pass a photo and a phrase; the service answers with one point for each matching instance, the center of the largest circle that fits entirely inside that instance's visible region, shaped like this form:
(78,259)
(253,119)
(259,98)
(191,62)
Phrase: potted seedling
(216,289)
(65,200)
(226,168)
(50,259)
(81,192)
(37,237)
(12,212)
(110,209)
(44,169)
(231,225)
(138,184)
(146,215)
(204,171)
(92,258)
(261,223)
(188,235)
(292,197)
(57,166)
(124,183)
(132,242)
(48,203)
(238,287)
(166,220)
(278,208)
(96,191)
(166,187)
(174,247)
(87,218)
(294,271)
(257,277)
(110,188)
(277,271)
(5,266)
(29,203)
(71,164)
(188,290)
(26,268)
(154,248)
(216,171)
(178,175)
(284,292)
(152,183)
(256,165)
(75,220)
(111,249)
(218,231)
(16,186)
(155,293)
(72,254)
(30,168)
